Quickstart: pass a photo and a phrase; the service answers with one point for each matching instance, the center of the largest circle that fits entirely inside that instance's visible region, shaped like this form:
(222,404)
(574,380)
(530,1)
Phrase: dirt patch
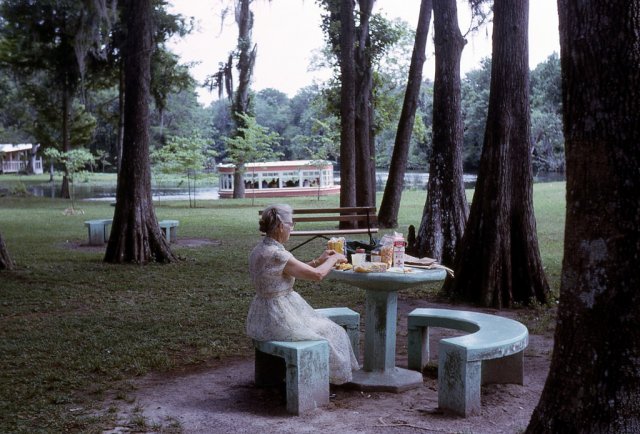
(222,398)
(82,246)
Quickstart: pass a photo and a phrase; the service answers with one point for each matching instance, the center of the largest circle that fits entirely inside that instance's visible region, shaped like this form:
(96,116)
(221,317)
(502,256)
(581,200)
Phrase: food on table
(386,254)
(336,244)
(371,267)
(344,266)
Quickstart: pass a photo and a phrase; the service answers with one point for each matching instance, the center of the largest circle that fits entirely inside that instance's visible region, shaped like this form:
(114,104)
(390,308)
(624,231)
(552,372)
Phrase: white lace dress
(279,313)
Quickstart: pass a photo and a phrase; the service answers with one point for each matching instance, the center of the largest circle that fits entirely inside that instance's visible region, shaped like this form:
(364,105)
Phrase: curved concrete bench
(493,352)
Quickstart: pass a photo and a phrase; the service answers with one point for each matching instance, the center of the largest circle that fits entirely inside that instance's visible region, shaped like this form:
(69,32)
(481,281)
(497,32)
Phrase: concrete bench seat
(349,320)
(306,371)
(304,365)
(493,352)
(98,233)
(170,229)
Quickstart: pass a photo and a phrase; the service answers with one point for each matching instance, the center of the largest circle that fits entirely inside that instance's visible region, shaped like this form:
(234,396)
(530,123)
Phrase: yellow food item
(386,254)
(336,244)
(344,266)
(371,267)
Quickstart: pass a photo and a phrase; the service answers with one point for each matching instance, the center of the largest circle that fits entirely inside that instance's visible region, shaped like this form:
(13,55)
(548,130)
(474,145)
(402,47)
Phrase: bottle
(398,251)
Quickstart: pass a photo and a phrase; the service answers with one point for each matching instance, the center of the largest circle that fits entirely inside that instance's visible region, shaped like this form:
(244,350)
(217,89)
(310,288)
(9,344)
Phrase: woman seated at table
(279,313)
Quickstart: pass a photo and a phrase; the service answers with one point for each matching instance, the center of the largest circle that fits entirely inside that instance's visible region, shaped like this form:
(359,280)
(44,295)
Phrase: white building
(16,158)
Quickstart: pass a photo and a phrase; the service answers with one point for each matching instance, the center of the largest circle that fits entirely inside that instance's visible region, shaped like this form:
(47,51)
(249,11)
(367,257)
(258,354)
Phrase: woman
(279,313)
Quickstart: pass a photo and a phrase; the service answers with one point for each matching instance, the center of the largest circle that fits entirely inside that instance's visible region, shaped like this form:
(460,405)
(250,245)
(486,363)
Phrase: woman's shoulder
(268,249)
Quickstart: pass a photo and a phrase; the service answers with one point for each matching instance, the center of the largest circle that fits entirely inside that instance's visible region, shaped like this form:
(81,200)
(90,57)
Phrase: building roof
(293,163)
(8,147)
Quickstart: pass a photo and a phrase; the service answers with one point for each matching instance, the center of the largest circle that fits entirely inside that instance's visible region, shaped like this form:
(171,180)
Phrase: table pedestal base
(394,380)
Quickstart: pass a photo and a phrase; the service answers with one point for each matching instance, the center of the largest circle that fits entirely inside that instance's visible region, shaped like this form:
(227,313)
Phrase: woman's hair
(272,215)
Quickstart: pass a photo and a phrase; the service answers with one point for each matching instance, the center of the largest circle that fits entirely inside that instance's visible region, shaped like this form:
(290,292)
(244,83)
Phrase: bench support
(170,229)
(505,370)
(306,371)
(347,318)
(458,381)
(98,231)
(308,241)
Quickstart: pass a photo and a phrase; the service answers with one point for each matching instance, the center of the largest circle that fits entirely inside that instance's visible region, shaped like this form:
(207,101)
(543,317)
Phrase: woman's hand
(338,258)
(325,255)
(301,270)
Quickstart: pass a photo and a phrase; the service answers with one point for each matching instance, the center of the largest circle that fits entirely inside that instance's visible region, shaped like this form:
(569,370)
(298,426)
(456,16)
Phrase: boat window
(290,179)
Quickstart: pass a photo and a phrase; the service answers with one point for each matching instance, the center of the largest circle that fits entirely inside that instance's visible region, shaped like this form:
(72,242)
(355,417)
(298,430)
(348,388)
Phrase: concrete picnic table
(379,372)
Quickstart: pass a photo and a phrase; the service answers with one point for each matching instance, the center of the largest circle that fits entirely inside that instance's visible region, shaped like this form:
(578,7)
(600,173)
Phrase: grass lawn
(73,328)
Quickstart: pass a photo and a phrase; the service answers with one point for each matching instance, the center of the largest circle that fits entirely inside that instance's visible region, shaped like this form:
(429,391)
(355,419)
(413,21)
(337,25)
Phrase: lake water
(413,181)
(108,193)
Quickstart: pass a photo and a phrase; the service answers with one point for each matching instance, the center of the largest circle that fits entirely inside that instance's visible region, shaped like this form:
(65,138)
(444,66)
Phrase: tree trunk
(347,106)
(498,260)
(446,208)
(594,381)
(246,62)
(121,93)
(365,167)
(388,214)
(66,146)
(238,182)
(135,233)
(5,260)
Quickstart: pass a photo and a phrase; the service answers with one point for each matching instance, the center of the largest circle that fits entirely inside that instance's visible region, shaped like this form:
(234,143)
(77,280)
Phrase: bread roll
(371,267)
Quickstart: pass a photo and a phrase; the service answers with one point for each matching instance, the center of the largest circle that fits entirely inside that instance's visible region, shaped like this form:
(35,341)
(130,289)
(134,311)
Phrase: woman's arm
(301,270)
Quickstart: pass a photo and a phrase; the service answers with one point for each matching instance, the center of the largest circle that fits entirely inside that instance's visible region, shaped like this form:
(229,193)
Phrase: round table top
(388,281)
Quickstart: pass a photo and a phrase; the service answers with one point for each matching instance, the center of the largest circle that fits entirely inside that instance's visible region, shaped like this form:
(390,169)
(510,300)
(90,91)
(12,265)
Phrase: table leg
(380,330)
(380,372)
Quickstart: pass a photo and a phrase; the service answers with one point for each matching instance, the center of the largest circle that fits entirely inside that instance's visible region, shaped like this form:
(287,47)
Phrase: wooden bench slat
(343,210)
(338,218)
(363,215)
(333,232)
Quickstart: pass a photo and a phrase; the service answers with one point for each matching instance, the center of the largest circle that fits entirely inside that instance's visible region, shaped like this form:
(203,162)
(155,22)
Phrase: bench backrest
(363,215)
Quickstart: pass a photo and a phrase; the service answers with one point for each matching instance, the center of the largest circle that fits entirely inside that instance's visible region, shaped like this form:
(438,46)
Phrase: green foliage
(546,118)
(323,143)
(75,49)
(181,154)
(272,110)
(74,162)
(168,76)
(102,158)
(475,104)
(37,54)
(14,118)
(252,143)
(19,189)
(546,122)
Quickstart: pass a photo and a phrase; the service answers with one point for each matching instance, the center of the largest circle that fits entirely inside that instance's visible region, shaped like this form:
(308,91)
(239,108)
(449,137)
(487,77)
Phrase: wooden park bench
(364,220)
(493,352)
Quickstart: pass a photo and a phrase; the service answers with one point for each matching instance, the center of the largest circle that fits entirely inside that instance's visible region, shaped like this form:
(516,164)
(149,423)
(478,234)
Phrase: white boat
(281,179)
